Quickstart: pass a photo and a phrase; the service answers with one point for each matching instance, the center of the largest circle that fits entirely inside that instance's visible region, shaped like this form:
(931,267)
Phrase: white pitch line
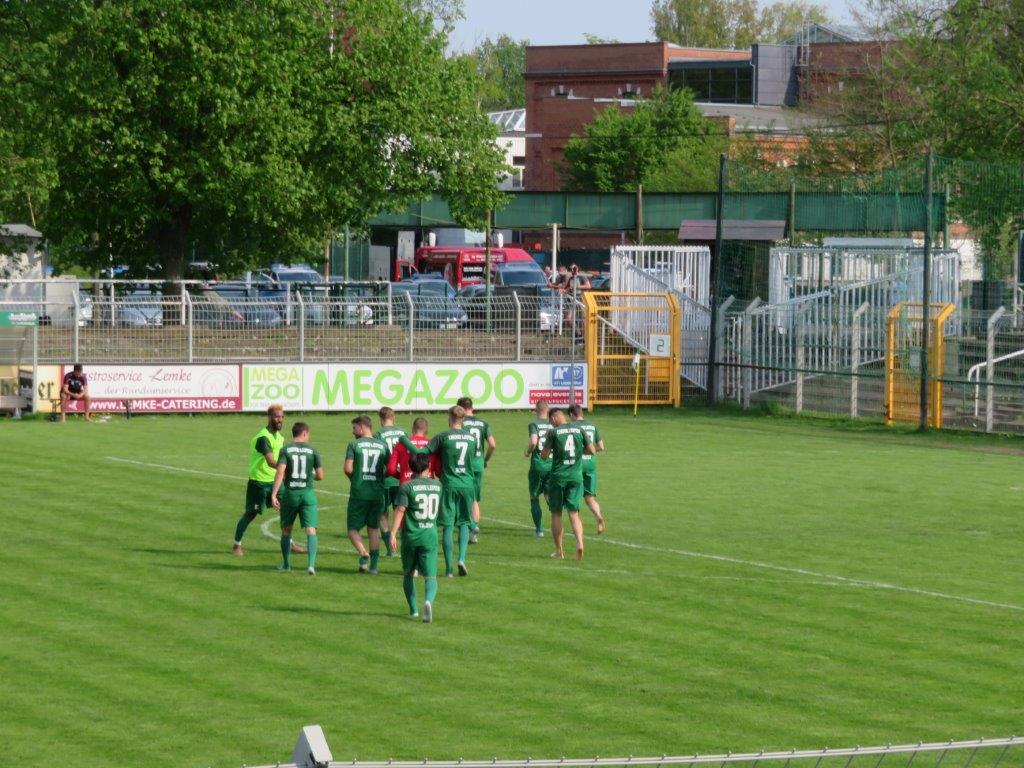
(265,530)
(204,473)
(788,569)
(681,552)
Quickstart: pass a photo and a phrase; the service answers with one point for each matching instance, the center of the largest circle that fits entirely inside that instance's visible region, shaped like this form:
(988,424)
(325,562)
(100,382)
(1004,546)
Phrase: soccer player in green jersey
(298,465)
(565,445)
(590,464)
(391,435)
(455,448)
(486,446)
(366,461)
(263,450)
(417,505)
(540,467)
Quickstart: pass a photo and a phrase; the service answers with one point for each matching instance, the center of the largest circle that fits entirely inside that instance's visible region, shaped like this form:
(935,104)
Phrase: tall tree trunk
(173,239)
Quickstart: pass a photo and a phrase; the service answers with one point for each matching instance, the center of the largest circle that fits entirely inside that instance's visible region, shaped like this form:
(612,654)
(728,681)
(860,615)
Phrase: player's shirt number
(299,467)
(427,506)
(570,452)
(370,460)
(463,450)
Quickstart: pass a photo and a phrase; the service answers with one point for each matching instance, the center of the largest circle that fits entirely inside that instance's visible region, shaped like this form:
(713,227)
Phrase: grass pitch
(764,583)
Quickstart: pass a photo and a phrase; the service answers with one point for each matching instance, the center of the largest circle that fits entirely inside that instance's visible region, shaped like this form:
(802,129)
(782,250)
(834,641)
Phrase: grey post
(412,323)
(855,343)
(926,290)
(74,325)
(302,326)
(990,367)
(519,326)
(719,338)
(748,349)
(801,332)
(190,323)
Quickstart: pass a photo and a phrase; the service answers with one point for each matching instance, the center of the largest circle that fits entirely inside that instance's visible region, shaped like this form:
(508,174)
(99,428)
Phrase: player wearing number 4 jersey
(590,464)
(566,445)
(455,447)
(298,465)
(417,506)
(365,462)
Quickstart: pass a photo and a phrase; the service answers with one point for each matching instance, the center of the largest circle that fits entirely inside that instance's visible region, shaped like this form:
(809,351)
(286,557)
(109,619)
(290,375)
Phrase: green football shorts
(538,480)
(456,506)
(421,556)
(478,482)
(590,484)
(300,505)
(257,497)
(364,513)
(565,496)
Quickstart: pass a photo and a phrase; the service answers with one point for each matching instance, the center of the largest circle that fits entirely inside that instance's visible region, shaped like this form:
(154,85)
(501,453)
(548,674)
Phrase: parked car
(355,303)
(227,306)
(540,305)
(515,276)
(140,309)
(434,302)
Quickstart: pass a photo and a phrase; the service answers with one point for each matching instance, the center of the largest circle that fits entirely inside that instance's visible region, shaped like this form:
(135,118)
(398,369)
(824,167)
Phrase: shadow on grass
(305,610)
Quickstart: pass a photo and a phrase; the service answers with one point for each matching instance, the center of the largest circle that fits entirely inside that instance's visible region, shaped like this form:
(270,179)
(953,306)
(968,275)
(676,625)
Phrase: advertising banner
(409,386)
(162,388)
(18,319)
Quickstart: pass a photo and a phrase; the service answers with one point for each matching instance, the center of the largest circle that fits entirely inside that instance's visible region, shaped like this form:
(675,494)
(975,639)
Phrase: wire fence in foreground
(979,753)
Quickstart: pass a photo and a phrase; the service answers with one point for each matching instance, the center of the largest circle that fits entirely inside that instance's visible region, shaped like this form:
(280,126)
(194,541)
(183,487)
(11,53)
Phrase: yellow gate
(633,348)
(903,362)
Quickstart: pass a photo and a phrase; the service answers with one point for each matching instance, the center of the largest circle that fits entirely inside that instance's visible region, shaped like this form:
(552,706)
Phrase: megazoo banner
(409,386)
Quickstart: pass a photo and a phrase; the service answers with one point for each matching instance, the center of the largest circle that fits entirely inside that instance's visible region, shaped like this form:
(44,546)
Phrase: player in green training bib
(590,464)
(391,435)
(263,450)
(417,506)
(565,445)
(298,465)
(486,446)
(454,448)
(366,461)
(540,467)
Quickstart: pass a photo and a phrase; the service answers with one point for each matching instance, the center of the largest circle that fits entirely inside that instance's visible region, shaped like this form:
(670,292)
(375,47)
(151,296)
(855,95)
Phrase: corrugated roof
(509,120)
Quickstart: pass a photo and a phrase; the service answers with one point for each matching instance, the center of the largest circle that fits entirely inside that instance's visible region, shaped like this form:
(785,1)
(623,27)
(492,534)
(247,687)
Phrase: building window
(519,160)
(716,83)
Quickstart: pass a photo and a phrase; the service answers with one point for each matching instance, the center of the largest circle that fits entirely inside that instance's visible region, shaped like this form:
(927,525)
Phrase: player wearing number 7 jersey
(298,465)
(456,448)
(366,460)
(417,505)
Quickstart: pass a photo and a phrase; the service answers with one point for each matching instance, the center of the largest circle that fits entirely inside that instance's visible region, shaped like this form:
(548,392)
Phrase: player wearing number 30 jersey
(417,507)
(366,461)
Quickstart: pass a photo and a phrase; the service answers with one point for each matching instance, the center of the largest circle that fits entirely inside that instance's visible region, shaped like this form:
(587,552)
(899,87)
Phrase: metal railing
(120,321)
(979,753)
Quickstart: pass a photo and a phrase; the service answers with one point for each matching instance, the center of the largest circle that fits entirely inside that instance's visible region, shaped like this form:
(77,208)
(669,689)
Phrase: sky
(553,22)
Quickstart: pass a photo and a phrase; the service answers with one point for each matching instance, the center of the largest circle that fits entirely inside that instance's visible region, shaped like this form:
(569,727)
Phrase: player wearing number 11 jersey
(298,465)
(366,461)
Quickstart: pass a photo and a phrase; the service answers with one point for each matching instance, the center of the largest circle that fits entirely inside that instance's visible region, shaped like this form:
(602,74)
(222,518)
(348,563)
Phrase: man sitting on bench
(74,387)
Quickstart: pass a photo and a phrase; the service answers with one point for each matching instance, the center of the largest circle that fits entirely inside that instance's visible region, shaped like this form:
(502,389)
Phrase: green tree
(250,130)
(500,64)
(730,23)
(664,144)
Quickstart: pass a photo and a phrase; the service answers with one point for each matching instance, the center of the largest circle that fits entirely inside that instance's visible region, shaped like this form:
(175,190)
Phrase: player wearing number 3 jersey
(366,461)
(417,506)
(298,465)
(455,447)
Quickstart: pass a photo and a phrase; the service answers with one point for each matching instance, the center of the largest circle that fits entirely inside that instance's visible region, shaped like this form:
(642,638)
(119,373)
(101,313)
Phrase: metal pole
(519,325)
(945,219)
(990,372)
(714,278)
(800,340)
(346,252)
(855,359)
(554,250)
(302,327)
(926,292)
(190,327)
(412,316)
(792,214)
(487,270)
(640,214)
(572,346)
(75,329)
(35,366)
(719,391)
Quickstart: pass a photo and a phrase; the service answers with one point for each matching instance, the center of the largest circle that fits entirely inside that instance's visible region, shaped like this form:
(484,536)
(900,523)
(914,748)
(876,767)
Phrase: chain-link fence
(119,322)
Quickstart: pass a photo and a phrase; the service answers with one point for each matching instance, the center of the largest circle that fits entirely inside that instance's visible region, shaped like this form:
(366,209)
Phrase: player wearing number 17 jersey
(566,445)
(417,505)
(366,460)
(298,465)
